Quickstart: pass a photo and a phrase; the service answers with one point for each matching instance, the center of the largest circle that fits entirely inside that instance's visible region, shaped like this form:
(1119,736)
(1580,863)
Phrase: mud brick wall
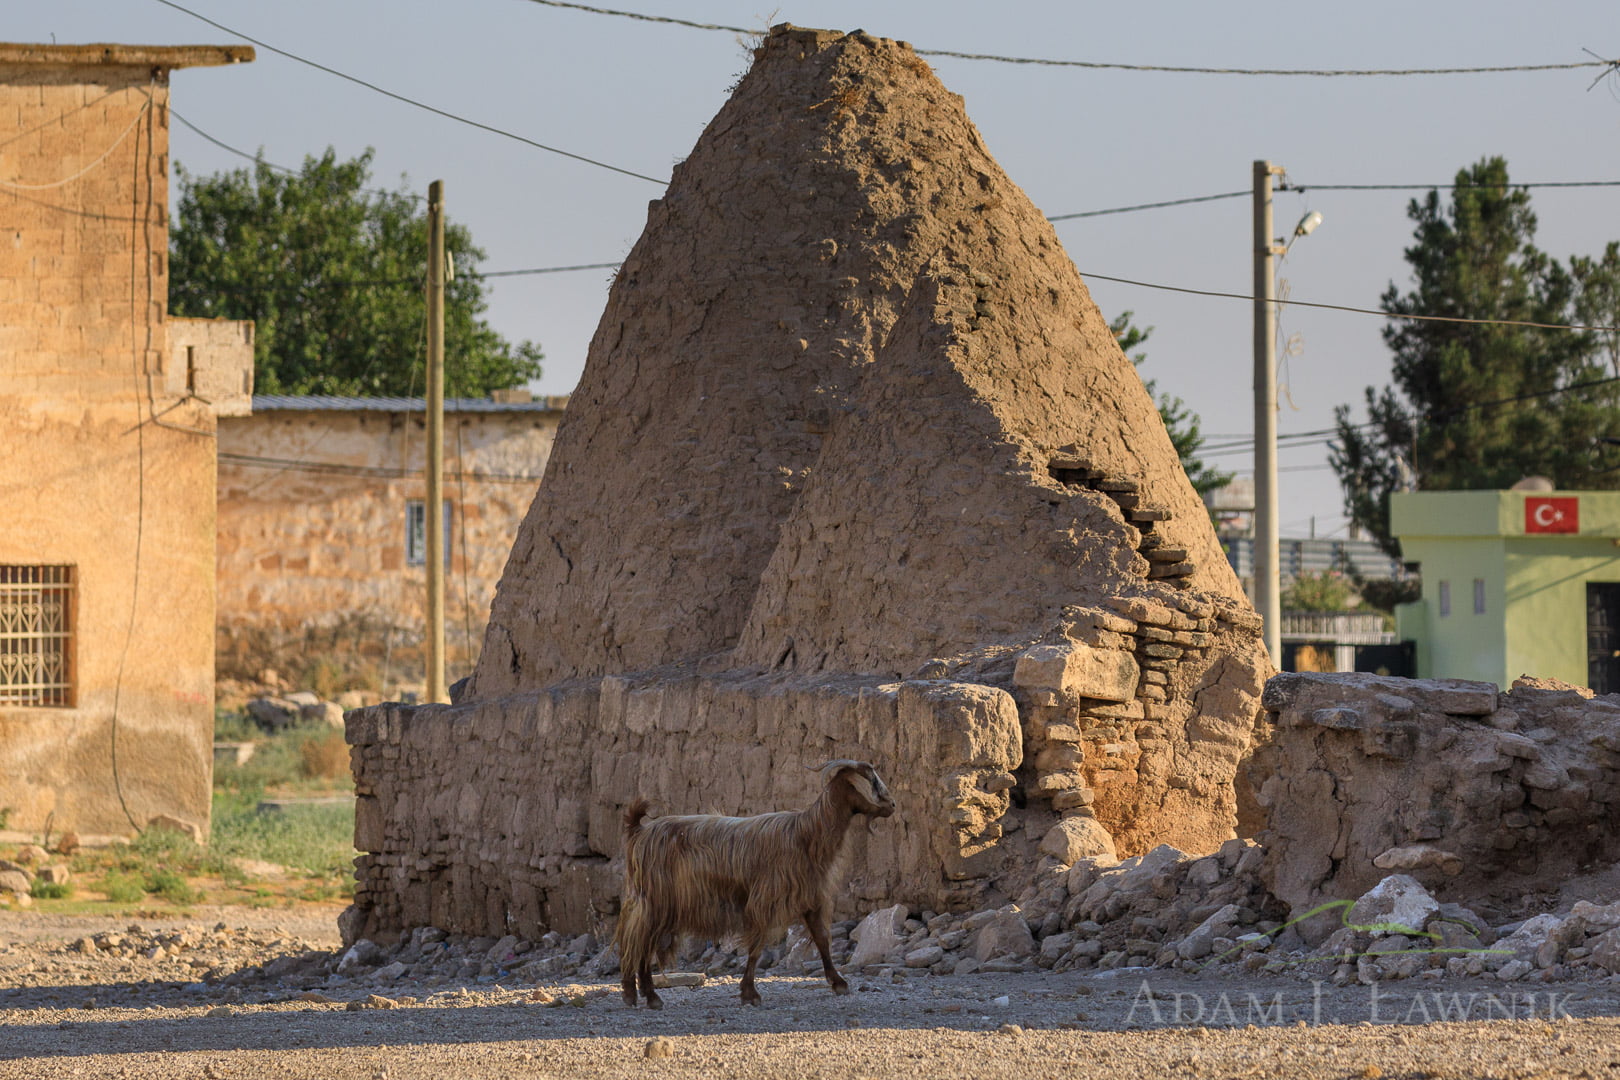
(498,817)
(1475,793)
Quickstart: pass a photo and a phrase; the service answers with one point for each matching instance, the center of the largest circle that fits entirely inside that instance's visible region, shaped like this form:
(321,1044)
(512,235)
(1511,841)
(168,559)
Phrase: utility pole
(1267,588)
(435,445)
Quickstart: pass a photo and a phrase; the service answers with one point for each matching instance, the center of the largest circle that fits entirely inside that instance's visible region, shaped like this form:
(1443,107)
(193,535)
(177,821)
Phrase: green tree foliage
(1181,422)
(1477,406)
(333,275)
(1327,591)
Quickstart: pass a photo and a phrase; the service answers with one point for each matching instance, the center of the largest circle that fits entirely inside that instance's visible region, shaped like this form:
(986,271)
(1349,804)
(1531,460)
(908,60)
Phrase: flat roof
(316,403)
(148,56)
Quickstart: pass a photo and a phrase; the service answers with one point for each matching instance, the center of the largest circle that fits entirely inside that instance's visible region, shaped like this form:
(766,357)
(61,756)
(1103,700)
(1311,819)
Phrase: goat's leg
(647,991)
(750,996)
(627,982)
(816,923)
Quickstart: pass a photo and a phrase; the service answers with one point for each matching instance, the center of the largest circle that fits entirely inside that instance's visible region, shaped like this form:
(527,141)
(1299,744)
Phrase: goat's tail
(632,819)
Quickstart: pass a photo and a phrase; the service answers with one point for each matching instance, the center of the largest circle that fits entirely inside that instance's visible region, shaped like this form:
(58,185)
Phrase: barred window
(416,532)
(36,636)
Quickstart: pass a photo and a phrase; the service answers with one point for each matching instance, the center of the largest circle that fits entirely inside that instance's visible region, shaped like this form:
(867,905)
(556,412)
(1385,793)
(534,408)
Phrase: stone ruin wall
(491,819)
(1485,798)
(851,435)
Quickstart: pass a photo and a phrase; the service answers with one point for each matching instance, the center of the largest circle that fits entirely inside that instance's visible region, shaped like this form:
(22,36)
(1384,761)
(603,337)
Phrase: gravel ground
(71,1005)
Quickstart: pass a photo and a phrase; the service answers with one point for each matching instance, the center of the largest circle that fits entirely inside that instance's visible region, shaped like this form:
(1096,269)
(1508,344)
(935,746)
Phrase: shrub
(172,887)
(50,890)
(325,756)
(123,888)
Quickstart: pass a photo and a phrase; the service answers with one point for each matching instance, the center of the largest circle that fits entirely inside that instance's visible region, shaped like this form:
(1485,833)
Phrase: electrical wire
(1357,310)
(1289,185)
(1151,206)
(1597,62)
(377,472)
(411,101)
(14,186)
(258,159)
(62,116)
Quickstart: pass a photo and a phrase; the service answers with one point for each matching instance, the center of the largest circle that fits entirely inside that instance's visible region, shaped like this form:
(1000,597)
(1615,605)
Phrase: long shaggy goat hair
(747,878)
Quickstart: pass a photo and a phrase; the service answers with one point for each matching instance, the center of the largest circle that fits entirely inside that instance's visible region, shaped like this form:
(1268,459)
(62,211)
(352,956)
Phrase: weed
(172,887)
(325,756)
(50,890)
(122,887)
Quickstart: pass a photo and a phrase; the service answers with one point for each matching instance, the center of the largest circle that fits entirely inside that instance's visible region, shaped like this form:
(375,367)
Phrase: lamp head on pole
(1308,223)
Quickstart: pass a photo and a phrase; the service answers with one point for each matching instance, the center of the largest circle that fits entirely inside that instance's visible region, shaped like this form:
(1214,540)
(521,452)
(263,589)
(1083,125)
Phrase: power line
(1357,310)
(368,471)
(258,159)
(1146,206)
(1598,62)
(411,101)
(1289,185)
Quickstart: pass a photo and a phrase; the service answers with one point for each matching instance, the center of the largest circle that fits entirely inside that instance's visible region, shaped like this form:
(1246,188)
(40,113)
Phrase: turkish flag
(1552,514)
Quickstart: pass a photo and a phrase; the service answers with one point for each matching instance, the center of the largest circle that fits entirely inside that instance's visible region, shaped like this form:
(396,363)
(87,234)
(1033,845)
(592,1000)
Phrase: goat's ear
(857,779)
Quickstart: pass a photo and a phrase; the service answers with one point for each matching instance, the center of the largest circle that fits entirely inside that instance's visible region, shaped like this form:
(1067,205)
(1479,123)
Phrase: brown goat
(750,878)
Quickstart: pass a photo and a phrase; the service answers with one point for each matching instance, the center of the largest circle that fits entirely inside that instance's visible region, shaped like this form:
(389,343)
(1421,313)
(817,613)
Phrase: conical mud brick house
(856,469)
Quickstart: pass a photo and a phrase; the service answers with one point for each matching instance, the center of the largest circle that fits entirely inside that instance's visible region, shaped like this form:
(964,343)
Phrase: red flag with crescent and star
(1552,514)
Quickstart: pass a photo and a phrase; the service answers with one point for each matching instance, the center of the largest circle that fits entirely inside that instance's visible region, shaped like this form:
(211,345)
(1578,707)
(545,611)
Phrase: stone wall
(1483,797)
(312,556)
(109,471)
(481,818)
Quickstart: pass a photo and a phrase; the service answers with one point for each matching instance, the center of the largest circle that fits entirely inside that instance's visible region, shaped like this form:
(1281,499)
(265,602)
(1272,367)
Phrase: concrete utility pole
(1267,588)
(435,445)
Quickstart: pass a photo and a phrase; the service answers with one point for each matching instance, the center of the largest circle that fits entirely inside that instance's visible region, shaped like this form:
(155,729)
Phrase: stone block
(1077,838)
(1074,671)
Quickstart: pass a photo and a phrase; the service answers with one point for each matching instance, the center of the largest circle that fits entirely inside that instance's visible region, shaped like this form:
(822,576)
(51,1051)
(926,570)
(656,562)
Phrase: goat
(745,877)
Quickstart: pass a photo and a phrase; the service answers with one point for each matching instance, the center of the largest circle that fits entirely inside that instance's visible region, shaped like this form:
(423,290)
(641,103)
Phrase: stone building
(107,418)
(855,469)
(321,531)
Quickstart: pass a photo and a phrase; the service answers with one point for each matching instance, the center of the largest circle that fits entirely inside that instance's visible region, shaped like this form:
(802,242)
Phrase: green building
(1514,583)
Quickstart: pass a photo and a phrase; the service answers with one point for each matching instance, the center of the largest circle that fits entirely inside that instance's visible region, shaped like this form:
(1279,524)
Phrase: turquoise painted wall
(1546,594)
(1534,618)
(1462,643)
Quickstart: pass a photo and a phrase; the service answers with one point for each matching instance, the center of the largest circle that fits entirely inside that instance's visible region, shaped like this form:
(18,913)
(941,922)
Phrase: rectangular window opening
(416,532)
(36,636)
(1445,598)
(1479,596)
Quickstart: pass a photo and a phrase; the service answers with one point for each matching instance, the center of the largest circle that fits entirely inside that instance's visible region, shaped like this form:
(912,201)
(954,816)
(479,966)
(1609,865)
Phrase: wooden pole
(1267,583)
(435,445)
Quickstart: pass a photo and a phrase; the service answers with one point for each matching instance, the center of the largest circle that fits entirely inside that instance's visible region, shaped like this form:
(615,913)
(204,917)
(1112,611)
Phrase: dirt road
(101,1017)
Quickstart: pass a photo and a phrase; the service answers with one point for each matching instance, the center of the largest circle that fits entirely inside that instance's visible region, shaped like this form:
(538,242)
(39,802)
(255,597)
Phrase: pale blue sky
(638,94)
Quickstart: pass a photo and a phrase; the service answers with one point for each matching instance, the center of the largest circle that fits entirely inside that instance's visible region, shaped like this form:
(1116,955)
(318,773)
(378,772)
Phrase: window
(1479,596)
(416,532)
(1445,598)
(36,636)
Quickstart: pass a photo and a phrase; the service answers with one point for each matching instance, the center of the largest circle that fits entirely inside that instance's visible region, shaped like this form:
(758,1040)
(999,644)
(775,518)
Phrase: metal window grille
(36,636)
(416,532)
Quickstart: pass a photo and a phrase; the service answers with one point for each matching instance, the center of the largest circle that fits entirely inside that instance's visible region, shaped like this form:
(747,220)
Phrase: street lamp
(1267,579)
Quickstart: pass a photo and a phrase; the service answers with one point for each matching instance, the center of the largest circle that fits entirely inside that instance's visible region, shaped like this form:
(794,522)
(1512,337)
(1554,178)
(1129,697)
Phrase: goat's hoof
(654,1002)
(752,999)
(840,987)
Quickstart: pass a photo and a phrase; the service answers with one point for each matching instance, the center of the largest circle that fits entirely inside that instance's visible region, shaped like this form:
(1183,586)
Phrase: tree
(1478,405)
(333,275)
(1181,422)
(1327,591)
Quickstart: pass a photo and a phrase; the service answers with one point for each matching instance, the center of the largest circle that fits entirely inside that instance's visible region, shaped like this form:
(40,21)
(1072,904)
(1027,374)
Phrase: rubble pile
(1494,800)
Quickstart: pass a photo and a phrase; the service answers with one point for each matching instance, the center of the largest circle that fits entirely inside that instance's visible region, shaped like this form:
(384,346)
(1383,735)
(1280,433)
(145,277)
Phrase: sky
(637,94)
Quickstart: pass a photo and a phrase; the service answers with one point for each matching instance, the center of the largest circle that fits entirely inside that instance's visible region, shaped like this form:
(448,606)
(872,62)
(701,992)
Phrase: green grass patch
(50,890)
